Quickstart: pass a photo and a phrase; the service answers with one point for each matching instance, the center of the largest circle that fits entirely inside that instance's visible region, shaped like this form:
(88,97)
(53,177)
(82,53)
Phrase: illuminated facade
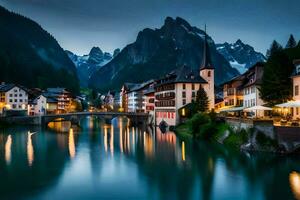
(296,87)
(173,92)
(13,98)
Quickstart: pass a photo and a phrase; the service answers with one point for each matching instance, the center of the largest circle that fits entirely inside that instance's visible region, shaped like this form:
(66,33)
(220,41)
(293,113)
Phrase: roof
(6,87)
(296,71)
(57,90)
(183,74)
(256,71)
(206,59)
(296,62)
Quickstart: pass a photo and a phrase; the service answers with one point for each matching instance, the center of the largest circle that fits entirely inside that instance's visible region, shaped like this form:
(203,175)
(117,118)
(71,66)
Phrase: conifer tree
(291,42)
(275,47)
(201,100)
(276,84)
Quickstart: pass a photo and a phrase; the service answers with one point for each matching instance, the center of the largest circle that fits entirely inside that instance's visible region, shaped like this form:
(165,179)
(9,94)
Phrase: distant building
(251,87)
(174,91)
(296,87)
(63,97)
(233,92)
(133,96)
(13,99)
(45,105)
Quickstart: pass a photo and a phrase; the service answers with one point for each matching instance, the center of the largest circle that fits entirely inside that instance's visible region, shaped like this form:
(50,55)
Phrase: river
(102,160)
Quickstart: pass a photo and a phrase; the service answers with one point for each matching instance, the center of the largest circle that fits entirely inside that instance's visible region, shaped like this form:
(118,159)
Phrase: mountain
(87,64)
(159,51)
(30,56)
(241,56)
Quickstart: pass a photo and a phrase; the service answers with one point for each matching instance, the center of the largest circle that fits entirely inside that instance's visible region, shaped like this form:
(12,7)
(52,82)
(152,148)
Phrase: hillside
(30,56)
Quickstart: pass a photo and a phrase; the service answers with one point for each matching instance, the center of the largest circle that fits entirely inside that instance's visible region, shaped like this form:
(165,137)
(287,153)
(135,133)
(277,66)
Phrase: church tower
(207,72)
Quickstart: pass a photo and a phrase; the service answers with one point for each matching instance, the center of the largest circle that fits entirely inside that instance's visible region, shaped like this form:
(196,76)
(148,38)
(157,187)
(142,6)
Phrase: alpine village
(174,81)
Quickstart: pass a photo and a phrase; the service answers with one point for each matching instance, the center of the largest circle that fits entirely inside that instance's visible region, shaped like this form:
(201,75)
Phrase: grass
(235,140)
(205,128)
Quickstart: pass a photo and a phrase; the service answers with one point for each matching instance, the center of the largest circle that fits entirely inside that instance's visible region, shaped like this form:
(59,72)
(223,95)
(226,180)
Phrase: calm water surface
(104,160)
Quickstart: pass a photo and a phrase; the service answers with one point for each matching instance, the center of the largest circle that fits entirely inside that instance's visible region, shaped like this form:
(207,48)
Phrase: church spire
(206,60)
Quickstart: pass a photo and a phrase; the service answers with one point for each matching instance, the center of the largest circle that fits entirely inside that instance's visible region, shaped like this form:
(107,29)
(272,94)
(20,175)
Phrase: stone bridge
(74,118)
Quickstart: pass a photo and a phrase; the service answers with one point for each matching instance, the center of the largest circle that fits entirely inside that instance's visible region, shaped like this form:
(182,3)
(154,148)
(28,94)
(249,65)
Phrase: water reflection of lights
(183,150)
(148,144)
(105,138)
(72,148)
(111,141)
(295,184)
(8,150)
(30,151)
(63,126)
(121,134)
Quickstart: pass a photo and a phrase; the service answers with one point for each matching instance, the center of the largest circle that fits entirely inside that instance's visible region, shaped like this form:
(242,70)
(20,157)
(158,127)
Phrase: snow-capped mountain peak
(240,55)
(87,64)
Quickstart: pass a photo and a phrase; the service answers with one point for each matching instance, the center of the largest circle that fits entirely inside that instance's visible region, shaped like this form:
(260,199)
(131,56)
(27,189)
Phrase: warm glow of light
(148,145)
(47,106)
(23,106)
(72,148)
(121,135)
(111,142)
(128,139)
(8,107)
(105,138)
(30,151)
(8,150)
(183,112)
(183,150)
(295,184)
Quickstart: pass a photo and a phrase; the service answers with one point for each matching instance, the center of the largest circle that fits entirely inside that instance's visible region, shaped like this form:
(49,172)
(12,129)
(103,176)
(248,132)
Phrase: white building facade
(13,98)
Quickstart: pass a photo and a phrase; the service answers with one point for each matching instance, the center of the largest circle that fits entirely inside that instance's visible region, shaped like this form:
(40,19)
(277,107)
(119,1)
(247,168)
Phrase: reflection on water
(295,184)
(72,149)
(62,127)
(121,162)
(8,150)
(30,151)
(183,150)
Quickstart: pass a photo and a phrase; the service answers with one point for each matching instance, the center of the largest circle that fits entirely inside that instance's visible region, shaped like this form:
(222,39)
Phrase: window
(183,86)
(21,100)
(193,94)
(193,86)
(296,90)
(20,95)
(10,95)
(10,100)
(16,100)
(14,105)
(183,101)
(183,94)
(16,95)
(209,74)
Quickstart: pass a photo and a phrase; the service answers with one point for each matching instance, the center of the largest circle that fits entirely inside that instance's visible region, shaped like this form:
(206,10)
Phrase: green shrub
(237,139)
(197,121)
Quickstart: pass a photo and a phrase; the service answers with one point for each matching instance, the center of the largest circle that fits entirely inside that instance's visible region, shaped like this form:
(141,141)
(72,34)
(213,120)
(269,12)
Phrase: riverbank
(209,128)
